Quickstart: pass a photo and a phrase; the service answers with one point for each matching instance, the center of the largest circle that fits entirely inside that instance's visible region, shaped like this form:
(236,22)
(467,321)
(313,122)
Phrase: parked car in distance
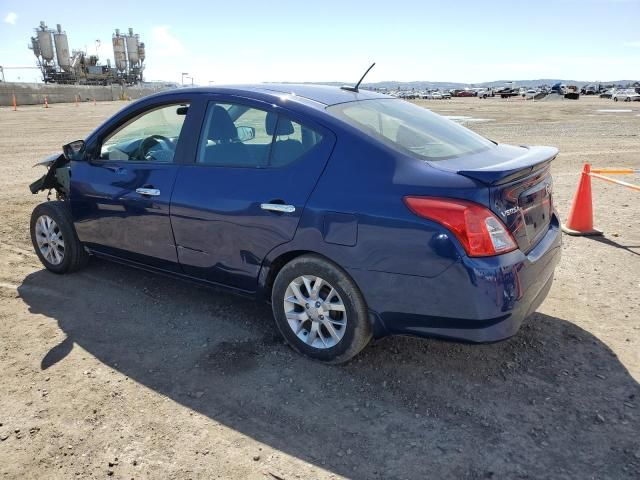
(434,96)
(465,93)
(355,214)
(572,92)
(485,93)
(506,92)
(627,95)
(427,95)
(408,95)
(607,93)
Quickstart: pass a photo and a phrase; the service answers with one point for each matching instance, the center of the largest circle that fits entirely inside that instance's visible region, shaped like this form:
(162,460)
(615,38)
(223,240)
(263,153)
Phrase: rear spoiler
(535,159)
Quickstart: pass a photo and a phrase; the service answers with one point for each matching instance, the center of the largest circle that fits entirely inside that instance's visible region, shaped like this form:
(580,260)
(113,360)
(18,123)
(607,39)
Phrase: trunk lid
(520,186)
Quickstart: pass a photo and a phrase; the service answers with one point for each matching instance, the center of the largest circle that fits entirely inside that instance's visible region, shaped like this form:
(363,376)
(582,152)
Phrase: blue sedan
(356,214)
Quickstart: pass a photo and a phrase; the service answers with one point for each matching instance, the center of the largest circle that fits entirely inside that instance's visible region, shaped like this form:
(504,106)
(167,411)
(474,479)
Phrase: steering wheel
(146,144)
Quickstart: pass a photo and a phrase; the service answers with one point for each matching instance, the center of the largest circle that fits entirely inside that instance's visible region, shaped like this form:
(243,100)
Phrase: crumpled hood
(49,160)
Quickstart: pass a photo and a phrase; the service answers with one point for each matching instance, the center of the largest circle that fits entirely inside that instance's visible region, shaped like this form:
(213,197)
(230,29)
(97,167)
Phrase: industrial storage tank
(141,52)
(35,46)
(62,49)
(119,52)
(45,41)
(132,48)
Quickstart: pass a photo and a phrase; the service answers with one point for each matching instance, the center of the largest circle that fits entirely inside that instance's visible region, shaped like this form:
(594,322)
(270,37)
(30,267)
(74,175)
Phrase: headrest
(221,127)
(285,127)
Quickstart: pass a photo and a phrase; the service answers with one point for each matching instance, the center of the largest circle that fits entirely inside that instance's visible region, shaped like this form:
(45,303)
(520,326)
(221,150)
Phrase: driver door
(121,196)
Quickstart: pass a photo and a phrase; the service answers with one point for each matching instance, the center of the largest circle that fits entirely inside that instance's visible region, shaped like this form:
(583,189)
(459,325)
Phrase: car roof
(323,95)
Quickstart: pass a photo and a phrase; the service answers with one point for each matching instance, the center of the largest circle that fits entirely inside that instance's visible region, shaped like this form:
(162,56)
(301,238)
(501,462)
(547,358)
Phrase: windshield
(411,129)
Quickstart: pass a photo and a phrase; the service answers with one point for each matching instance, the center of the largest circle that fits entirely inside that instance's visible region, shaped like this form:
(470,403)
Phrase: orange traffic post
(580,219)
(76,97)
(615,171)
(46,102)
(15,105)
(617,182)
(94,100)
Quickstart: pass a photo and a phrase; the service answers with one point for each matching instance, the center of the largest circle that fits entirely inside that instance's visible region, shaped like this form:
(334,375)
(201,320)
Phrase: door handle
(278,207)
(152,192)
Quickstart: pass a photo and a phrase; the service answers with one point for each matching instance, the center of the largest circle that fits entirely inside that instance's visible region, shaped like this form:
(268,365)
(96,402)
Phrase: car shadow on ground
(553,401)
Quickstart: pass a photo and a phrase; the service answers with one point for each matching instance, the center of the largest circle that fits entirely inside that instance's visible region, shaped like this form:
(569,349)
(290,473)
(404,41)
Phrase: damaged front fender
(56,178)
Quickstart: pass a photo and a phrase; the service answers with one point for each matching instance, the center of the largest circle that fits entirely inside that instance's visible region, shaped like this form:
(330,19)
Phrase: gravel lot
(116,372)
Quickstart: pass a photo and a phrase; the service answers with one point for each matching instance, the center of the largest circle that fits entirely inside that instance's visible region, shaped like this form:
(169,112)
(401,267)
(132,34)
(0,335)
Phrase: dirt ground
(113,372)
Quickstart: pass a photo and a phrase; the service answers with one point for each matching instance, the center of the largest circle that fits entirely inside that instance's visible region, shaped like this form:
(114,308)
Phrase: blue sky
(253,41)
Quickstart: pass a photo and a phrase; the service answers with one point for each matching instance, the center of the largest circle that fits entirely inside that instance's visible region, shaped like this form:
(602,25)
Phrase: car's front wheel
(319,310)
(54,238)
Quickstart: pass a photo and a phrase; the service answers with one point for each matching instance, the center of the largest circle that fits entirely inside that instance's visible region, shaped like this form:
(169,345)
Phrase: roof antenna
(355,89)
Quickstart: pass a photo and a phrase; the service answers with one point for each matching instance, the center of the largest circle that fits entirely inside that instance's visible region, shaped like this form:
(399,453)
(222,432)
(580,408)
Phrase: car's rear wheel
(54,238)
(319,310)
(615,99)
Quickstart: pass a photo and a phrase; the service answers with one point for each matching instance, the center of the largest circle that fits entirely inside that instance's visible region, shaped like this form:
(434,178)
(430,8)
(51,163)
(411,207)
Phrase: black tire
(75,257)
(358,327)
(615,99)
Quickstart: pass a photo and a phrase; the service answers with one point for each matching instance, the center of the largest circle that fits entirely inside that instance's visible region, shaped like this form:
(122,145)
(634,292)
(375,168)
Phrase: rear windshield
(413,130)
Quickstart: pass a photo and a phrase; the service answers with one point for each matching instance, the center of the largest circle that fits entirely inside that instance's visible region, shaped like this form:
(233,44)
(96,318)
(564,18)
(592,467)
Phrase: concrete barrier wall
(34,93)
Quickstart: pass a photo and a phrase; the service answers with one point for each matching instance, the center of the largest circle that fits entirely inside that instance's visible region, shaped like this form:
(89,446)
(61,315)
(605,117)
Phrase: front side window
(413,130)
(235,135)
(150,137)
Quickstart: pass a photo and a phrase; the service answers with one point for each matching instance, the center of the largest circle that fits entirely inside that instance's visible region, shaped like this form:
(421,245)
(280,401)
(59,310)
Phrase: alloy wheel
(49,239)
(315,311)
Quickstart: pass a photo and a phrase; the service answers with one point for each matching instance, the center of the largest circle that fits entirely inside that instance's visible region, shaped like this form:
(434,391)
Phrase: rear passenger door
(244,193)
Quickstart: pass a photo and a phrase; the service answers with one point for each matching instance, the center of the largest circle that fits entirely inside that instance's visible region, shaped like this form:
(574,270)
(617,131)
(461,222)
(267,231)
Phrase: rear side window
(291,140)
(235,135)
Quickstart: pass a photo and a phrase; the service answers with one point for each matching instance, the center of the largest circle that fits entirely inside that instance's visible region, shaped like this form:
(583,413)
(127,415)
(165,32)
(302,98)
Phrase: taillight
(480,232)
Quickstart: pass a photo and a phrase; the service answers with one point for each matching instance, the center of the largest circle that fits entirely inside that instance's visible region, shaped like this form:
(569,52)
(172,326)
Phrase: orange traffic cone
(580,219)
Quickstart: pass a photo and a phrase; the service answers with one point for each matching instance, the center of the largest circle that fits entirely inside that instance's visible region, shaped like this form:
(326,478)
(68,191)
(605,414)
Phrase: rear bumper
(475,299)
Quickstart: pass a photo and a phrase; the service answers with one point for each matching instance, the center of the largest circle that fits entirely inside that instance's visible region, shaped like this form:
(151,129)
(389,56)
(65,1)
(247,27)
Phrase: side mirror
(246,133)
(74,150)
